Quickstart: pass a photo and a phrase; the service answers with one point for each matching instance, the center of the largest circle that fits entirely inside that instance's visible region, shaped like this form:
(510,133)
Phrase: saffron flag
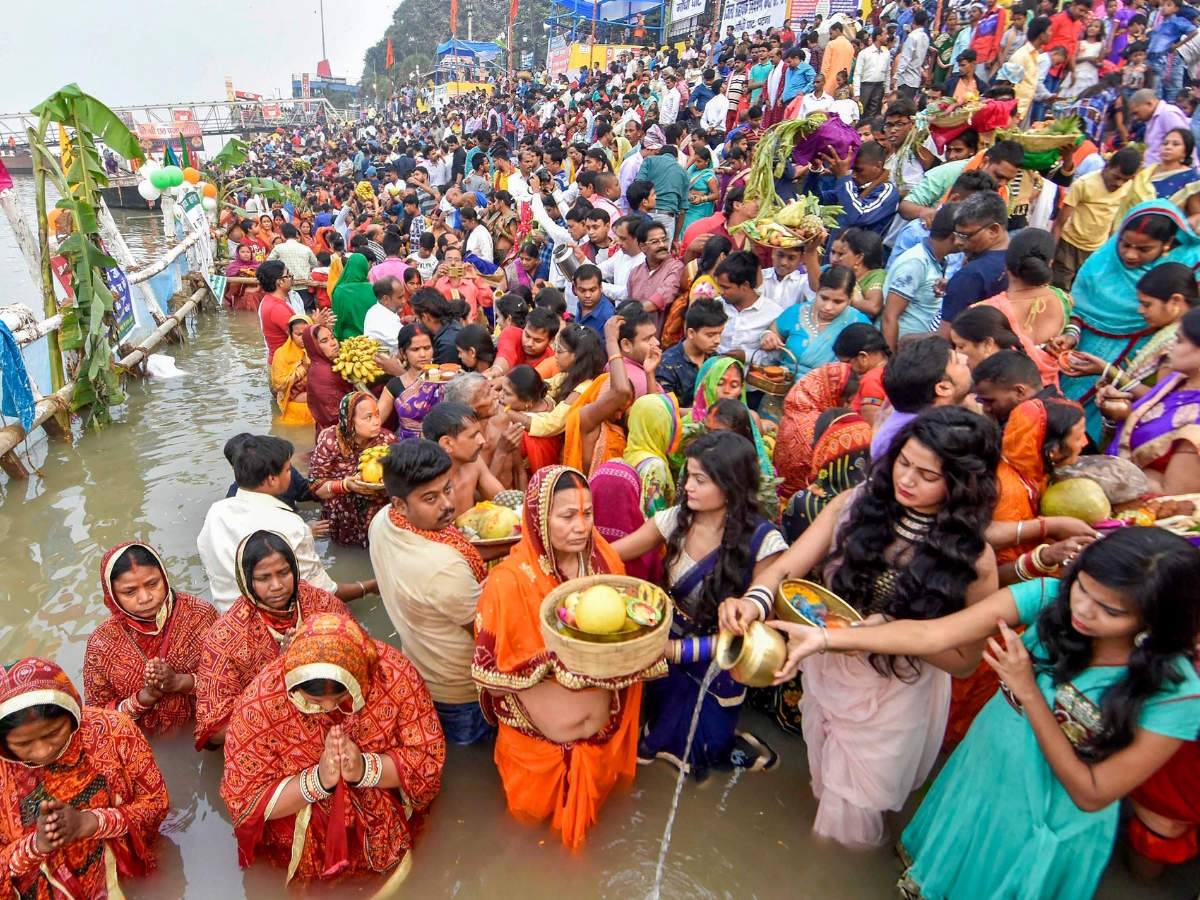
(512,11)
(454,17)
(387,63)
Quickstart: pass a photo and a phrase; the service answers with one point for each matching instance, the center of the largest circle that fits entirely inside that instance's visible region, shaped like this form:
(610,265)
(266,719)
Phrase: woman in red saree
(564,739)
(821,389)
(327,751)
(326,388)
(273,604)
(81,798)
(141,660)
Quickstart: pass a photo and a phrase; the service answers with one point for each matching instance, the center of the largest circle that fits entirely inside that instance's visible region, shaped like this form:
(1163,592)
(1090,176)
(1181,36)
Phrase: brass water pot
(752,658)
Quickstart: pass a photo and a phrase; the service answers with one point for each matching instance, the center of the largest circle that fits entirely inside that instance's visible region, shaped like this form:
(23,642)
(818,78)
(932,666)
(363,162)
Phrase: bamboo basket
(833,603)
(1041,141)
(600,656)
(961,115)
(756,379)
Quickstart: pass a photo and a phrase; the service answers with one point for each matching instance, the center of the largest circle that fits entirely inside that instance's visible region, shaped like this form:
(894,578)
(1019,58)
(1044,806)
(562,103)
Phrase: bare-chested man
(456,428)
(501,436)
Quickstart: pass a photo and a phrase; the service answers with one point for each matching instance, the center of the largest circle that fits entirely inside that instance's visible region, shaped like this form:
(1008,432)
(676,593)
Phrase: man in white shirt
(715,110)
(628,172)
(784,283)
(262,468)
(749,313)
(382,321)
(430,586)
(871,71)
(668,104)
(912,57)
(617,267)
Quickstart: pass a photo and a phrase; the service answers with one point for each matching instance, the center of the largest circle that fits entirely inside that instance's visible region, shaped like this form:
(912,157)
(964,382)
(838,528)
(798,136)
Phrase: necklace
(914,526)
(1037,306)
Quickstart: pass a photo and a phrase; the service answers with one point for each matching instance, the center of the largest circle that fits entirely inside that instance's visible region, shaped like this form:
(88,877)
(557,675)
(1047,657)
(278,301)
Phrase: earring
(1141,638)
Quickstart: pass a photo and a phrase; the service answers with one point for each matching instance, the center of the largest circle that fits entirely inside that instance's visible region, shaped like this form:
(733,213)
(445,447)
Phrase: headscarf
(621,514)
(707,380)
(536,524)
(37,682)
(286,359)
(1105,291)
(331,647)
(346,411)
(108,563)
(654,139)
(237,266)
(654,429)
(352,297)
(326,388)
(243,577)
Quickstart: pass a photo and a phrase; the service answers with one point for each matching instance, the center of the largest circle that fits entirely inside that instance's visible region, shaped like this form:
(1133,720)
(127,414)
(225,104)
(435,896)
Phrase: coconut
(1080,498)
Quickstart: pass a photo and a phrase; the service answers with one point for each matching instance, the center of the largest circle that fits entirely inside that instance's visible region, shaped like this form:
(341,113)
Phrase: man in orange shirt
(838,55)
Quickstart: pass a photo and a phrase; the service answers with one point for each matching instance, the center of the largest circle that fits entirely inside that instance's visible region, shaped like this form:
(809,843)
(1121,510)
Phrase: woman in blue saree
(808,330)
(702,186)
(716,540)
(1104,320)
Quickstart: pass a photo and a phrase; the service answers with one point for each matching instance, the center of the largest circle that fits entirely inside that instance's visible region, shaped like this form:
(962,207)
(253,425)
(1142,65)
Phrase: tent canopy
(481,50)
(604,10)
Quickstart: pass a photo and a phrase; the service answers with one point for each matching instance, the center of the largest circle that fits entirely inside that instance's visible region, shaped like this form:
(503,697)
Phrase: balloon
(148,167)
(208,189)
(148,191)
(190,175)
(161,179)
(174,175)
(210,203)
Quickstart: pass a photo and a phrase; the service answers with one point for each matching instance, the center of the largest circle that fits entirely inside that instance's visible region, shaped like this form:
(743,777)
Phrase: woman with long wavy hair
(906,544)
(716,540)
(1099,692)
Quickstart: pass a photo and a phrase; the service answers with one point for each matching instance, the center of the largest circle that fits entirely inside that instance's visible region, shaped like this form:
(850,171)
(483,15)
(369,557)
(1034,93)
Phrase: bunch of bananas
(364,190)
(356,359)
(370,467)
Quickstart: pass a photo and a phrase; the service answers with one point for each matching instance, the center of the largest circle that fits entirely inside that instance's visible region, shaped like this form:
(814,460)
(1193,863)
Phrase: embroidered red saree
(270,740)
(115,660)
(106,766)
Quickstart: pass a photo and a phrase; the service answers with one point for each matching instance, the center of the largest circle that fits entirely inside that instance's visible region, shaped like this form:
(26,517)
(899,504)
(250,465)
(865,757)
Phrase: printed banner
(182,115)
(115,278)
(61,268)
(270,111)
(217,283)
(754,15)
(685,9)
(190,210)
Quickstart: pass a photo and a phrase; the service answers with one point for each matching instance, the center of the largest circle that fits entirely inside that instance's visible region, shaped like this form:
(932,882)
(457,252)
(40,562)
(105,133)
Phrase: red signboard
(161,131)
(182,115)
(270,111)
(62,271)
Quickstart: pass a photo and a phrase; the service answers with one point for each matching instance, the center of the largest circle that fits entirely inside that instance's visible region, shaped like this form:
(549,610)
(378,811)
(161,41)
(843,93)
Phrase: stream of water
(152,476)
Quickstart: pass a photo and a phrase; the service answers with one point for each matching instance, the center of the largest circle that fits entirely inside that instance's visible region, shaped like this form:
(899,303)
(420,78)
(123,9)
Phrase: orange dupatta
(543,779)
(610,441)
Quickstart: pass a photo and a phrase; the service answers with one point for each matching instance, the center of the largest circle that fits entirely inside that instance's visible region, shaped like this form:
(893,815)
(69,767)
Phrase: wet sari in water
(620,515)
(326,388)
(106,766)
(289,379)
(336,457)
(240,644)
(413,403)
(566,782)
(114,662)
(273,736)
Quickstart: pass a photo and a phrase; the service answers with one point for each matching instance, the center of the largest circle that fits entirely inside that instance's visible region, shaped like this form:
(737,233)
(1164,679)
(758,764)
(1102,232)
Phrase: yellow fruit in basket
(372,471)
(497,522)
(600,610)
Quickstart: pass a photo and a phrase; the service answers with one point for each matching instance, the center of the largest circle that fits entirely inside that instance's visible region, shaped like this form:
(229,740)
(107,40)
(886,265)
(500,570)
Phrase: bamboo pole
(40,330)
(140,276)
(26,237)
(115,242)
(159,334)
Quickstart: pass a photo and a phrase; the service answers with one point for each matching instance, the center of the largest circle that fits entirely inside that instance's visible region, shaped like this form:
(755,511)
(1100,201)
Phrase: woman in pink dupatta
(621,514)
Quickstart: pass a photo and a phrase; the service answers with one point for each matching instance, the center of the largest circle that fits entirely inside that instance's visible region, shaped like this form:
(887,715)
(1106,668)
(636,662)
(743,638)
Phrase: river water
(152,475)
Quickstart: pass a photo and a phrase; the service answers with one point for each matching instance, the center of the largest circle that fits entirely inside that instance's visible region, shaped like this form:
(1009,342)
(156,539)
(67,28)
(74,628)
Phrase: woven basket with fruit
(795,224)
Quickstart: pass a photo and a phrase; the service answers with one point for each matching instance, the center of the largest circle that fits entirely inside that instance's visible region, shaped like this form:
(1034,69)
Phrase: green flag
(187,156)
(169,157)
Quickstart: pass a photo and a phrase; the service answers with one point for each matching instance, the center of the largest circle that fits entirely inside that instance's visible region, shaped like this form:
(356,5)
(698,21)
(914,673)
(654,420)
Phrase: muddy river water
(152,475)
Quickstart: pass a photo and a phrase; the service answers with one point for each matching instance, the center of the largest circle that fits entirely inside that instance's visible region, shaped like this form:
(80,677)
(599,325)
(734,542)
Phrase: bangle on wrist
(614,357)
(1041,528)
(362,591)
(1020,525)
(825,634)
(372,770)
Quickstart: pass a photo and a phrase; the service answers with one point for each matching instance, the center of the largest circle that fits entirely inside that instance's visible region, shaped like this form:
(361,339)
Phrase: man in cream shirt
(429,577)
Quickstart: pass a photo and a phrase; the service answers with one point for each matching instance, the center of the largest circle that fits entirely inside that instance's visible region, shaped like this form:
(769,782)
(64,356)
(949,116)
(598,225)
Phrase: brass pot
(753,658)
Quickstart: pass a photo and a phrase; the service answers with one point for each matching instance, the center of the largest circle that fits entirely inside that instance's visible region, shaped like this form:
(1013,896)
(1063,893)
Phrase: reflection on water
(152,476)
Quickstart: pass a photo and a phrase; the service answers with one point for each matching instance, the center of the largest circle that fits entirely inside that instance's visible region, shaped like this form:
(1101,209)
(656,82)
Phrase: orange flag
(390,59)
(512,11)
(454,17)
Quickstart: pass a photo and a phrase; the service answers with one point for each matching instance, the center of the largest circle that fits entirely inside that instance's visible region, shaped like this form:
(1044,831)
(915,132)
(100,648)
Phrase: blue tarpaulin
(482,50)
(605,10)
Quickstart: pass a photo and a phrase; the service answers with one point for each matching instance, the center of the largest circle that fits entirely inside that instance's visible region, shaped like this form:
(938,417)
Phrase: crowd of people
(573,323)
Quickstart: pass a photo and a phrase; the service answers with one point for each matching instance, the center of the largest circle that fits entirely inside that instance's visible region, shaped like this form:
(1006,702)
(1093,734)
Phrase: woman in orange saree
(141,660)
(254,631)
(550,768)
(1040,435)
(327,751)
(823,388)
(81,798)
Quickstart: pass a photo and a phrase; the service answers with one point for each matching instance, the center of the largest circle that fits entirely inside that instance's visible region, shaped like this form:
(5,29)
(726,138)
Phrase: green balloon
(175,174)
(161,179)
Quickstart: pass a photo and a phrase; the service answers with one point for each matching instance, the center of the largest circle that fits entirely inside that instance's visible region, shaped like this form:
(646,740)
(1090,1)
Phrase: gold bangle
(615,356)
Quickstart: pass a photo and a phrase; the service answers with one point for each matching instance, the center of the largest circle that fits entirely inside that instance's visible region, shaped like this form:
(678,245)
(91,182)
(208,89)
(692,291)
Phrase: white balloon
(148,191)
(179,190)
(210,203)
(149,166)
